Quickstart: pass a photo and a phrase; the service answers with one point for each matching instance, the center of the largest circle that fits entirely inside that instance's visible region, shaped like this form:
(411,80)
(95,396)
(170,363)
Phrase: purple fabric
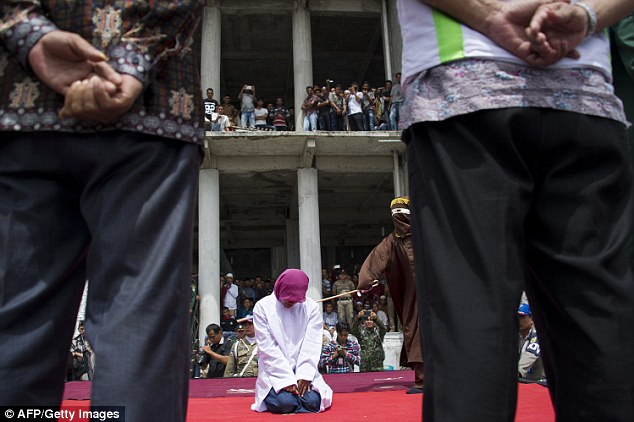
(291,286)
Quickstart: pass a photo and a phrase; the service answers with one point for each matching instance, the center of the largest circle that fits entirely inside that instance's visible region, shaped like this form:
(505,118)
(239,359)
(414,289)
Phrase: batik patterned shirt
(151,41)
(470,85)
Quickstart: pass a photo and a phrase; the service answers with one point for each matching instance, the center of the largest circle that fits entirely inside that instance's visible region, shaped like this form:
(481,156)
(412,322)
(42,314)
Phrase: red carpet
(369,397)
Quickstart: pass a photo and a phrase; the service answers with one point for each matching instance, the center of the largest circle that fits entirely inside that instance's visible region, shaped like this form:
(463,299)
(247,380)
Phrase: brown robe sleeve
(376,263)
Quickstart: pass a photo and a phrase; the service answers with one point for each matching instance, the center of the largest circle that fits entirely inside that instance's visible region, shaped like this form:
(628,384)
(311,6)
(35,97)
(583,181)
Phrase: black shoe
(414,390)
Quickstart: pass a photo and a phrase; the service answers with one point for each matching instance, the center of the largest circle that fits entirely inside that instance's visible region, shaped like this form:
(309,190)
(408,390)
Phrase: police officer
(243,358)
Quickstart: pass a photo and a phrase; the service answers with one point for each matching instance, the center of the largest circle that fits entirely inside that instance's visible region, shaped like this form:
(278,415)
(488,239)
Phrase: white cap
(229,275)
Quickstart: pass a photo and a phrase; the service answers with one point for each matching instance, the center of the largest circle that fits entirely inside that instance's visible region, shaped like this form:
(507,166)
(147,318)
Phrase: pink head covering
(291,286)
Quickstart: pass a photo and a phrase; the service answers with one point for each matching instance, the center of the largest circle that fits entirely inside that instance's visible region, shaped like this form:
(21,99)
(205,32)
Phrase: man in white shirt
(231,298)
(288,331)
(219,122)
(355,112)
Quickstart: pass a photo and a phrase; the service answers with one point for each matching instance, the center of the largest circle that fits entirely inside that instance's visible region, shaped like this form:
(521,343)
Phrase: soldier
(370,336)
(243,359)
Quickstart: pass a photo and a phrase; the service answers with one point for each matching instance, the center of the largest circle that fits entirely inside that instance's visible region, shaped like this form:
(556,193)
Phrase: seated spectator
(83,356)
(215,353)
(370,331)
(358,307)
(529,367)
(243,359)
(281,115)
(341,355)
(228,322)
(330,317)
(247,309)
(219,122)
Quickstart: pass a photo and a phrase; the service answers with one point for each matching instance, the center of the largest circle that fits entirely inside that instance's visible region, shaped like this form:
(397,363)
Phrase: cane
(358,291)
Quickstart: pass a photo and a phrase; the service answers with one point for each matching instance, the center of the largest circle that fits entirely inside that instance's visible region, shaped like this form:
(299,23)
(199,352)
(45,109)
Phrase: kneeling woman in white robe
(288,328)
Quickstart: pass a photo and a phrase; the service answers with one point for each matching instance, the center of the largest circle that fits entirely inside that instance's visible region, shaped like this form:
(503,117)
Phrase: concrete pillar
(208,249)
(396,40)
(210,54)
(405,167)
(387,51)
(309,240)
(397,175)
(302,58)
(292,244)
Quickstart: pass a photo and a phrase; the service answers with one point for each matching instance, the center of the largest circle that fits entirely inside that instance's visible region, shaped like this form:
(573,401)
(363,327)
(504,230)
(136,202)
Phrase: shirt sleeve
(22,24)
(155,34)
(353,353)
(529,355)
(230,369)
(233,290)
(376,262)
(326,354)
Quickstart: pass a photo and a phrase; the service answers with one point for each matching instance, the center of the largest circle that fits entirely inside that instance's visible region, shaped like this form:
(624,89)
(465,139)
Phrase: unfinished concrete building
(275,200)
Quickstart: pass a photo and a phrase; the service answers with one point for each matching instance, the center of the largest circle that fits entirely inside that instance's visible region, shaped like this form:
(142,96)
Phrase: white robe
(289,342)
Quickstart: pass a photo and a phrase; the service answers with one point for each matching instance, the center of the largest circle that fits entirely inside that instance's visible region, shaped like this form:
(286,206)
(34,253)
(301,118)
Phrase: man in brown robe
(394,256)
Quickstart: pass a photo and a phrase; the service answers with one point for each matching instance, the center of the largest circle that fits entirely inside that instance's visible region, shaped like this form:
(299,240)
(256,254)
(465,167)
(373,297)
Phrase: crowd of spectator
(353,336)
(354,328)
(329,107)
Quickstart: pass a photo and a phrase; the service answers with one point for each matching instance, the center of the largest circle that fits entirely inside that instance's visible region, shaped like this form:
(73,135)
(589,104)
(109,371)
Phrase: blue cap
(524,309)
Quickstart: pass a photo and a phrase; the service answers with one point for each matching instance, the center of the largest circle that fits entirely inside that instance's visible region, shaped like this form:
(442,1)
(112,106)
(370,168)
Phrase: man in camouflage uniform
(370,336)
(243,358)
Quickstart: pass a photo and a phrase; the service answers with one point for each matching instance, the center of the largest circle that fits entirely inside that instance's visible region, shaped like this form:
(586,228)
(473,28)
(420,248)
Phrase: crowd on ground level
(328,107)
(354,328)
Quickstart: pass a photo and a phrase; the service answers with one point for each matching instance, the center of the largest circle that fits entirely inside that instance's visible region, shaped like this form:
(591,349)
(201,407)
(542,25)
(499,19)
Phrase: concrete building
(275,200)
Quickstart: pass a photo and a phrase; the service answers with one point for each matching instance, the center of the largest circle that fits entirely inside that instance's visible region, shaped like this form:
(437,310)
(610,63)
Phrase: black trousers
(512,199)
(115,208)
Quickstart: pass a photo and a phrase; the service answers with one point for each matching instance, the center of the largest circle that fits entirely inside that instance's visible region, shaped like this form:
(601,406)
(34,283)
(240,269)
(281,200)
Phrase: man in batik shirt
(101,139)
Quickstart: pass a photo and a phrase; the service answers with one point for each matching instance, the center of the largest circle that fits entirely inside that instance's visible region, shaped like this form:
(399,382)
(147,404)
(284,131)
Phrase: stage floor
(374,396)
